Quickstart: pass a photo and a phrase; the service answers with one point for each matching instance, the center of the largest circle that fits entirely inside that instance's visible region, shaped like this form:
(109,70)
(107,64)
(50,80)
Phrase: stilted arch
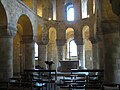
(69,33)
(87,51)
(71,51)
(85,32)
(23,45)
(52,33)
(52,49)
(25,22)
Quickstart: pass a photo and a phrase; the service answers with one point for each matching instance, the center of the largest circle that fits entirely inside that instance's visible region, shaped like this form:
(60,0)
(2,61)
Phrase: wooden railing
(83,79)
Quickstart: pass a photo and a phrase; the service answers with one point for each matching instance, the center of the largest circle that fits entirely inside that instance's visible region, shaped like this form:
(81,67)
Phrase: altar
(67,65)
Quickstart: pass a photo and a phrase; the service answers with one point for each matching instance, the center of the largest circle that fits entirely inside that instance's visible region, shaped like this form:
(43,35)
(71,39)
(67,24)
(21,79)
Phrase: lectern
(49,64)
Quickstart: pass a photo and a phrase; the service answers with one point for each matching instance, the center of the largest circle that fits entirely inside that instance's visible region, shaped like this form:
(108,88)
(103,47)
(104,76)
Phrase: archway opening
(71,47)
(87,51)
(23,36)
(51,47)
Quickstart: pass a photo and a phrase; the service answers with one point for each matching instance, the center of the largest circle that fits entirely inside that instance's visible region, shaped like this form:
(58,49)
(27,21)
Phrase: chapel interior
(72,34)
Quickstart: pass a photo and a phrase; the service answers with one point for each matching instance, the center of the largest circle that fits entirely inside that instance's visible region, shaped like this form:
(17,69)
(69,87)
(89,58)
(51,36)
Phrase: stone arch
(52,49)
(23,41)
(52,31)
(3,20)
(87,51)
(69,37)
(26,24)
(69,33)
(85,32)
(17,50)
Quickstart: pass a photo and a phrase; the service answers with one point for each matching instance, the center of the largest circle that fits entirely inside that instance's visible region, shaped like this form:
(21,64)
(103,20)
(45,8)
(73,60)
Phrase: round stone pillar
(94,52)
(79,43)
(60,50)
(29,52)
(42,55)
(6,51)
(101,52)
(6,58)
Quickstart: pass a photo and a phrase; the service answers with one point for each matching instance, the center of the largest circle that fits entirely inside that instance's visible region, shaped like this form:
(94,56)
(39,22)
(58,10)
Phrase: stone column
(6,51)
(29,52)
(79,43)
(60,50)
(42,55)
(94,53)
(101,53)
(6,58)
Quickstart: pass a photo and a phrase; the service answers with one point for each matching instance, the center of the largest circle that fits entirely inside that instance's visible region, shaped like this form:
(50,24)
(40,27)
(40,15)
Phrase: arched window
(70,12)
(84,8)
(72,49)
(36,51)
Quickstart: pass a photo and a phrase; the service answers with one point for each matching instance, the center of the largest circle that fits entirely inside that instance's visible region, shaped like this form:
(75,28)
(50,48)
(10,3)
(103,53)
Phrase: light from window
(36,51)
(70,13)
(73,48)
(84,8)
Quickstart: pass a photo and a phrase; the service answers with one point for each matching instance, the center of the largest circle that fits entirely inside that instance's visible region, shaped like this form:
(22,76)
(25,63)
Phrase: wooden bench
(83,79)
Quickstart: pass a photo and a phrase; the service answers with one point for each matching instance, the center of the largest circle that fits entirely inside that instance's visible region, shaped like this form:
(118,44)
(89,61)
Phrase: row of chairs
(40,79)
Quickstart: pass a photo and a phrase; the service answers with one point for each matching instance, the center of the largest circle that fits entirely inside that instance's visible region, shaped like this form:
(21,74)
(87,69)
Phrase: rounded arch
(39,33)
(26,24)
(51,48)
(17,52)
(52,34)
(24,34)
(70,47)
(69,33)
(87,51)
(85,32)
